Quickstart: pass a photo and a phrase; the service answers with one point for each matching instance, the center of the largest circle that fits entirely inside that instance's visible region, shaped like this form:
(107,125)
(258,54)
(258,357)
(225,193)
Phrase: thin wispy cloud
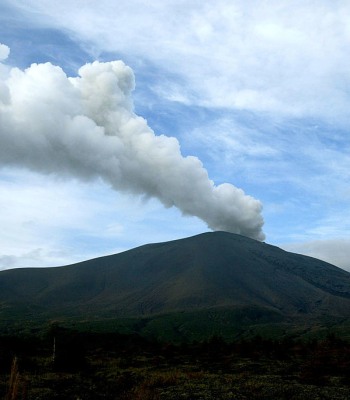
(289,58)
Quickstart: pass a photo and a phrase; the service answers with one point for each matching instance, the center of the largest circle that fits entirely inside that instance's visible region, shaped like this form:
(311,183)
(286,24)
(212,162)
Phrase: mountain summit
(211,271)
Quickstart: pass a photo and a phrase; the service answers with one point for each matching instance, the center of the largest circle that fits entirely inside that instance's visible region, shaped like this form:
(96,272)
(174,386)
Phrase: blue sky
(257,91)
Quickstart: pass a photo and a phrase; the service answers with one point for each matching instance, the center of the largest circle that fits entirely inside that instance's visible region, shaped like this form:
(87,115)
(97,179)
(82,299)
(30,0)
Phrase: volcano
(227,280)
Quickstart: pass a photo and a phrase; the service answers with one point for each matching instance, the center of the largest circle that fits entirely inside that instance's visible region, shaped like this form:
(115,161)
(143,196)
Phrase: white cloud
(4,52)
(47,221)
(232,143)
(333,251)
(289,58)
(44,220)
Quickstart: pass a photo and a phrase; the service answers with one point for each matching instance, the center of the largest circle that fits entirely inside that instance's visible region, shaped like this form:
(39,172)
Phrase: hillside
(218,272)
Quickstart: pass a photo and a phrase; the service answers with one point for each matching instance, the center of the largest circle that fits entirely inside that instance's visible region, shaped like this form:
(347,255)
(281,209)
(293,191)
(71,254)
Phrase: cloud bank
(333,251)
(85,127)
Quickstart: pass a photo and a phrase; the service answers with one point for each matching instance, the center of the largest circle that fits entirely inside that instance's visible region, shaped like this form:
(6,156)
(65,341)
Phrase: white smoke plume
(86,127)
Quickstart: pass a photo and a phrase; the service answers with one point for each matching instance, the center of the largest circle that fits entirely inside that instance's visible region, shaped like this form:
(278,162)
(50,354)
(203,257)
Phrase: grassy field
(66,364)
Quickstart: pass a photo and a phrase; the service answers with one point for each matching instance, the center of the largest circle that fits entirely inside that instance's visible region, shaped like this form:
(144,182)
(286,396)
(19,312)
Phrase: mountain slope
(215,270)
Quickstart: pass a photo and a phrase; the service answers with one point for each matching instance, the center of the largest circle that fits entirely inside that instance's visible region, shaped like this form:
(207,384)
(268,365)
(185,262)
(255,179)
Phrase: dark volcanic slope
(210,270)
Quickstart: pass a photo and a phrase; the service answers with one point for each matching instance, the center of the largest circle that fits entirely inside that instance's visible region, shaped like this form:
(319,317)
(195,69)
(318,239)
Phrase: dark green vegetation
(113,366)
(189,289)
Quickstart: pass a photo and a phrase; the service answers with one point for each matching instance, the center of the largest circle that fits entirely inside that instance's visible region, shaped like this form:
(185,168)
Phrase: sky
(132,122)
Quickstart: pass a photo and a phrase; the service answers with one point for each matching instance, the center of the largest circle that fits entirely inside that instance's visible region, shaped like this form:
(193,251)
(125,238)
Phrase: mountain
(229,279)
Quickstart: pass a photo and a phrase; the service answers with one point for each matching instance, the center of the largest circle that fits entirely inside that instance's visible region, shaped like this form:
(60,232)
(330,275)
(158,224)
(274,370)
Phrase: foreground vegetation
(65,364)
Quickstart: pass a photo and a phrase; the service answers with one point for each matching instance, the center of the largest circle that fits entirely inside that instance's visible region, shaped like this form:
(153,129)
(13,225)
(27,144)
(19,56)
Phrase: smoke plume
(86,127)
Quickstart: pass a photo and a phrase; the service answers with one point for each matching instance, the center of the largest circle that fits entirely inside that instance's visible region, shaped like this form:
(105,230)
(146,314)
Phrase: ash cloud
(85,127)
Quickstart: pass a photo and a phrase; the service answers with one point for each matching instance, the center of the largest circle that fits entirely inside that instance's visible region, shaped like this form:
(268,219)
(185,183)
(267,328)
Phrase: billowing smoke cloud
(86,127)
